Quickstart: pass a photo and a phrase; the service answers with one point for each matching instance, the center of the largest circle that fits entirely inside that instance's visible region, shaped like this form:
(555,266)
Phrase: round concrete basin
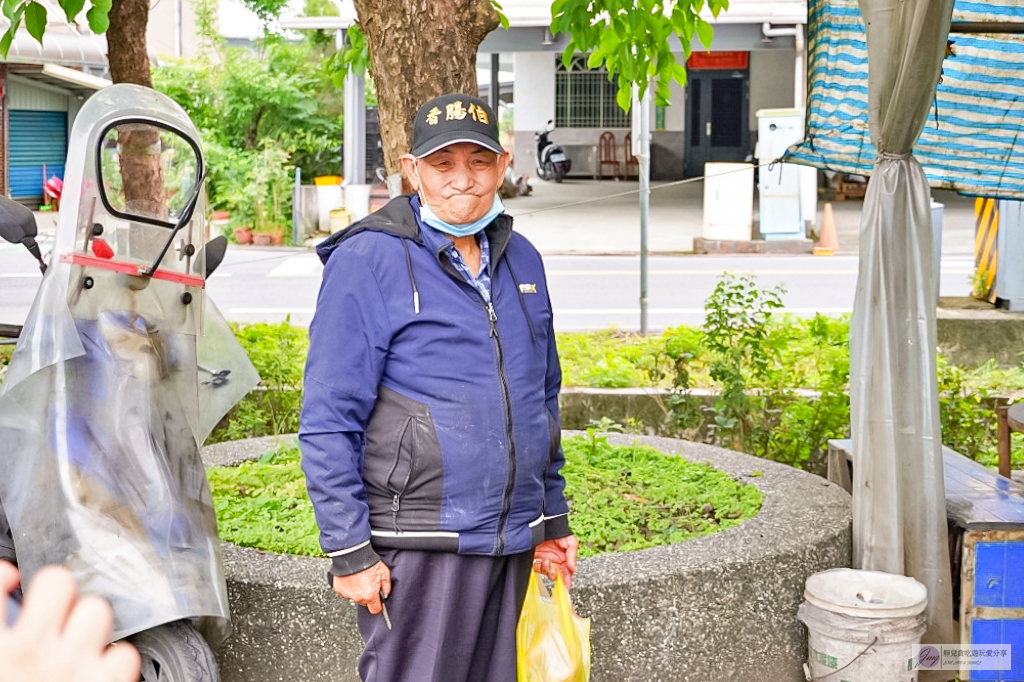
(720,608)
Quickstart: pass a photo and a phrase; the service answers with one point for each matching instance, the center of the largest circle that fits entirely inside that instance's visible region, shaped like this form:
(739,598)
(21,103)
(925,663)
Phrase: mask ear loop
(419,183)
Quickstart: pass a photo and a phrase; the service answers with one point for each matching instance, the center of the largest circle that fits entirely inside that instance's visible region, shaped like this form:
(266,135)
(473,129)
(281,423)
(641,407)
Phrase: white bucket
(328,198)
(863,623)
(357,201)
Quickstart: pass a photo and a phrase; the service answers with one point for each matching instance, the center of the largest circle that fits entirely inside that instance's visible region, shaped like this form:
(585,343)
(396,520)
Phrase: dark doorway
(716,118)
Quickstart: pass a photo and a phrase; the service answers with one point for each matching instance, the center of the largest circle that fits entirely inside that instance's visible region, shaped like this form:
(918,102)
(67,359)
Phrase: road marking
(689,311)
(298,266)
(704,273)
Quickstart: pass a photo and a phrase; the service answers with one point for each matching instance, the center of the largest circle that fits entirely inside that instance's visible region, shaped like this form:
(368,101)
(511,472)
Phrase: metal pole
(296,206)
(354,134)
(644,157)
(495,93)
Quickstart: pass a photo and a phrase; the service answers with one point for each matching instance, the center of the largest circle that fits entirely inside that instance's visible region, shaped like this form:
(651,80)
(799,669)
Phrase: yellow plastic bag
(552,642)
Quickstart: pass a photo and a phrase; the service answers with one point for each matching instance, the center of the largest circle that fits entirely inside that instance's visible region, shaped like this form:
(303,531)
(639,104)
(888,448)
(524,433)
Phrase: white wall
(675,113)
(534,88)
(28,96)
(772,78)
(161,38)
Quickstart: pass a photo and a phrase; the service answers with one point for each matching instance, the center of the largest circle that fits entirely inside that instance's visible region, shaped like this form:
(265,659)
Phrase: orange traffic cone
(828,243)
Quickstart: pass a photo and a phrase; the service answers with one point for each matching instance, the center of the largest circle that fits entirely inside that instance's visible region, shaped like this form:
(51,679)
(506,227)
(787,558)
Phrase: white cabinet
(728,201)
(787,192)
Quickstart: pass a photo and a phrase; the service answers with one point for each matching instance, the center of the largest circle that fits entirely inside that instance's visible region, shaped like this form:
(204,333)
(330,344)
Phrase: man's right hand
(366,586)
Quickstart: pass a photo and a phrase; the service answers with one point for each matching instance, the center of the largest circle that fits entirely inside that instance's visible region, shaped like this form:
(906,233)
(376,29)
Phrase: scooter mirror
(213,253)
(16,221)
(18,225)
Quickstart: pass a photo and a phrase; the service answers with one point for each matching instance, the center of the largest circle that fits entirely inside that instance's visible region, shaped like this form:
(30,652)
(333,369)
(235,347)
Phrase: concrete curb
(719,608)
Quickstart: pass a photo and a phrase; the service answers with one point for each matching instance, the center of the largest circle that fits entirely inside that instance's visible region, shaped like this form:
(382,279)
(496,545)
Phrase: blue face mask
(430,218)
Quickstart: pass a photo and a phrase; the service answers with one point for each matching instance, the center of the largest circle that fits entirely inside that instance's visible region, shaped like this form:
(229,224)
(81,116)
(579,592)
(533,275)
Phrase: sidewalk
(612,225)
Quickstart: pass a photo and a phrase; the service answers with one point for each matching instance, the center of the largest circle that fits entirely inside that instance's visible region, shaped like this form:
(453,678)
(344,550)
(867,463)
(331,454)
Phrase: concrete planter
(719,608)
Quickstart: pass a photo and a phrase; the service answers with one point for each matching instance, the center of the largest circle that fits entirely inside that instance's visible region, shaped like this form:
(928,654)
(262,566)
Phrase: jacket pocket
(402,468)
(402,465)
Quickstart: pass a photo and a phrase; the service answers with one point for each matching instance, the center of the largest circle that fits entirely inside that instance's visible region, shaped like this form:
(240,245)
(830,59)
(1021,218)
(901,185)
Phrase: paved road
(588,292)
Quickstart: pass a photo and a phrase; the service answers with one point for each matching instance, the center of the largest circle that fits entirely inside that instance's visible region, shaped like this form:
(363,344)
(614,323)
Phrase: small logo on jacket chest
(527,288)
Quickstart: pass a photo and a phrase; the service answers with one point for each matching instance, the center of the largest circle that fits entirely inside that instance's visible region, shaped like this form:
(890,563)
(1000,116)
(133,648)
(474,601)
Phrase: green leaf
(568,54)
(35,20)
(705,31)
(502,19)
(623,97)
(99,22)
(6,40)
(72,8)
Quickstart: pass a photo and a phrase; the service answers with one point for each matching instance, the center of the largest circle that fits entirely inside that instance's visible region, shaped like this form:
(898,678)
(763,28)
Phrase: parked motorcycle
(552,163)
(121,371)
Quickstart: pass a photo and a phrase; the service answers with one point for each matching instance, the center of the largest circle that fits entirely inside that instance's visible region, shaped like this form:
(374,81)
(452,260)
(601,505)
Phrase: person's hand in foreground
(552,556)
(58,637)
(366,586)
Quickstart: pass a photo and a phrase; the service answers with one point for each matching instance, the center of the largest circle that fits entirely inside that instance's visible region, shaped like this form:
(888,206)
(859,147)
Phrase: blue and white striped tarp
(972,141)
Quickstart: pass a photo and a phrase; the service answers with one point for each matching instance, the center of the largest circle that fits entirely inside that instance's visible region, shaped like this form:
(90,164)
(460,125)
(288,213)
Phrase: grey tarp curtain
(899,513)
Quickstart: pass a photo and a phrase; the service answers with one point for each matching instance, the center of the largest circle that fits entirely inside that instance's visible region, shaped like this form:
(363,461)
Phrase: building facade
(42,88)
(757,62)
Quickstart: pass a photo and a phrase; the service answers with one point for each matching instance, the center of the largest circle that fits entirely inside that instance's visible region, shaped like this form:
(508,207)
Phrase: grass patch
(633,497)
(622,497)
(263,504)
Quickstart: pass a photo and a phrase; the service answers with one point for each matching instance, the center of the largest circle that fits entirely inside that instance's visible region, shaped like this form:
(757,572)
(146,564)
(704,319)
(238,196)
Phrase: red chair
(631,162)
(606,154)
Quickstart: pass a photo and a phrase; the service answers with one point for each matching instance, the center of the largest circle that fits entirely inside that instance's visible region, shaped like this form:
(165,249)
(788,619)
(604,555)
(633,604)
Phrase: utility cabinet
(787,191)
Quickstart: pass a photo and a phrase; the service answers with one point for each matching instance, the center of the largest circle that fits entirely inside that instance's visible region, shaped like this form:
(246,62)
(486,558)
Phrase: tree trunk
(129,63)
(126,42)
(420,49)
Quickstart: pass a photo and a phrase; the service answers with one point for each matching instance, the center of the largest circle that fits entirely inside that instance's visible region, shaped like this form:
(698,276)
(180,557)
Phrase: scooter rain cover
(120,374)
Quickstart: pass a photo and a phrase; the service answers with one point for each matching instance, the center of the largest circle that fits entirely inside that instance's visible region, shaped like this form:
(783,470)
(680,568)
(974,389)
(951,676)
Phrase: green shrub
(278,351)
(762,366)
(6,351)
(622,498)
(605,359)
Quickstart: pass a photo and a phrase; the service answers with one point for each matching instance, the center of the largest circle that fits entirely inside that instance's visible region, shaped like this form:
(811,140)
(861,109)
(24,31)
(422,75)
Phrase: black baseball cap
(449,119)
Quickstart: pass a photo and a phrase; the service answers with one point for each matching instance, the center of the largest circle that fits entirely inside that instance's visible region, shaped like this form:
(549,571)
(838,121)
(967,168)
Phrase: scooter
(121,371)
(552,163)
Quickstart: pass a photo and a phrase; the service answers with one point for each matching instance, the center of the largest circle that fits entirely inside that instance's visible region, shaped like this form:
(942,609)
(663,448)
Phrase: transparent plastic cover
(116,381)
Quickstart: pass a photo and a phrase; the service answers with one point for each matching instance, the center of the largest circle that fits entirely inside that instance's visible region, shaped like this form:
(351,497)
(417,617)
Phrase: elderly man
(430,429)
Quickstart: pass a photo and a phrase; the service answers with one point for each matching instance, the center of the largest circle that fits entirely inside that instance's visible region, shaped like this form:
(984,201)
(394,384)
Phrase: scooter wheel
(175,652)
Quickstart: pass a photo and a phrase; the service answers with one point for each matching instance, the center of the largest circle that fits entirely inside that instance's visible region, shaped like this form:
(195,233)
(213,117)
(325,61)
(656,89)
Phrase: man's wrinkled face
(459,181)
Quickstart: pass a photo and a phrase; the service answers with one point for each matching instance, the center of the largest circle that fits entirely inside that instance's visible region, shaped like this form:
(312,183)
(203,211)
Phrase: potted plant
(242,234)
(272,188)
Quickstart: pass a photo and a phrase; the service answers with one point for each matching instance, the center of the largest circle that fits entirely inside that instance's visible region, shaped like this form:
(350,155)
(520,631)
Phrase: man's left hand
(554,556)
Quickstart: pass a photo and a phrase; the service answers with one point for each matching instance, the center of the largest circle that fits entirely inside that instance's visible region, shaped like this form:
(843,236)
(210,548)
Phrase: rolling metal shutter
(37,138)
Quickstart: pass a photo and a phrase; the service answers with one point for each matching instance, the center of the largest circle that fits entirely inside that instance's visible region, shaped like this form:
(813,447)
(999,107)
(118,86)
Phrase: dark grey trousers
(453,617)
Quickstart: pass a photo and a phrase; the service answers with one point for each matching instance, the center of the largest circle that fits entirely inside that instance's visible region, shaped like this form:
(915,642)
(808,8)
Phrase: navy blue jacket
(429,418)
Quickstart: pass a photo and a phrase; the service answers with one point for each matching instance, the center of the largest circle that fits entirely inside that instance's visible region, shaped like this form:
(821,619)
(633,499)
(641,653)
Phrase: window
(585,98)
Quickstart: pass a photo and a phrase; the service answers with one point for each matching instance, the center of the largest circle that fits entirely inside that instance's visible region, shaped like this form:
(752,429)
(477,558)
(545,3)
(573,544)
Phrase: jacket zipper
(507,398)
(396,500)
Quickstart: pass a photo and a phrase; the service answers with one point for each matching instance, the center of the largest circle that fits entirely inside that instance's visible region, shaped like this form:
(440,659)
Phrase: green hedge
(760,364)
